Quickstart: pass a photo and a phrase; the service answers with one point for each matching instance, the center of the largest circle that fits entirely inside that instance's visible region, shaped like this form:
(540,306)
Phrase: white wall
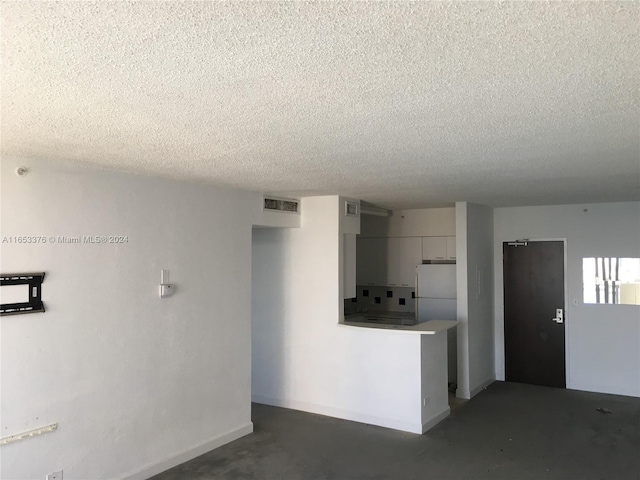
(349,228)
(480,296)
(434,379)
(603,341)
(474,276)
(136,383)
(302,358)
(425,222)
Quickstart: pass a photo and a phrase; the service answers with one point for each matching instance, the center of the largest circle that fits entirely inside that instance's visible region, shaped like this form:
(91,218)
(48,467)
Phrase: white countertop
(426,328)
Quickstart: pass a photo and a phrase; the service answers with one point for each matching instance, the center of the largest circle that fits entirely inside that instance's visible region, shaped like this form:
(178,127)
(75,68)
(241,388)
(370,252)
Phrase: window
(611,280)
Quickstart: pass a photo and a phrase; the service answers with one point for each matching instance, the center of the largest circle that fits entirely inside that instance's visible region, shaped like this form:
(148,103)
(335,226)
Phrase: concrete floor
(509,431)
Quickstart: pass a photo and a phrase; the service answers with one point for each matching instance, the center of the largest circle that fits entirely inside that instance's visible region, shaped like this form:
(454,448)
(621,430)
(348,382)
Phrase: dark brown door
(533,332)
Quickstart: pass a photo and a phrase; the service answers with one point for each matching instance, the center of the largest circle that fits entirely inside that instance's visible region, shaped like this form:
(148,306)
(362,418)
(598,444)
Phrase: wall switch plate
(55,476)
(166,290)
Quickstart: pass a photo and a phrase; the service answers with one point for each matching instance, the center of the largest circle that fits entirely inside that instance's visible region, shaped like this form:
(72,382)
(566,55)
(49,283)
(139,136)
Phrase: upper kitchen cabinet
(425,222)
(451,248)
(434,248)
(388,261)
(371,261)
(439,248)
(403,254)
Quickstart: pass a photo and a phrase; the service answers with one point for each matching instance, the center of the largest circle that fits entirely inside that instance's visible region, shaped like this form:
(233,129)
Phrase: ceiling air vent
(282,204)
(350,209)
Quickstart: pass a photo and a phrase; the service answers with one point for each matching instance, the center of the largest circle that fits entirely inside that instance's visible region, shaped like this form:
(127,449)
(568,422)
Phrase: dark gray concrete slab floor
(509,431)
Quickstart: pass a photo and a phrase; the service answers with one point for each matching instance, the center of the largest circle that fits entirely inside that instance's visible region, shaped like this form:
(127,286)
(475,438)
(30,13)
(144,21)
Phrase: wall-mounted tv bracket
(34,303)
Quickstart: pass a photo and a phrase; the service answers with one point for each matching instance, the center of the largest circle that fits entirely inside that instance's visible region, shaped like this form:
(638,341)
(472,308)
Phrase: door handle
(559,316)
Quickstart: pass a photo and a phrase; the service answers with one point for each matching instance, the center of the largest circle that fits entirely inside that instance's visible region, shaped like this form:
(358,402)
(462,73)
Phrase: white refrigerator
(435,292)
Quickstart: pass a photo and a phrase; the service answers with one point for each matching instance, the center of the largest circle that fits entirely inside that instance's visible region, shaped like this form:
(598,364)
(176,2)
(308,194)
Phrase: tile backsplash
(391,299)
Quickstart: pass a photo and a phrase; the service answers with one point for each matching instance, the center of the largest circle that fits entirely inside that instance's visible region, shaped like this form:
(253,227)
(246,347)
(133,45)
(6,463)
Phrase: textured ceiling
(403,105)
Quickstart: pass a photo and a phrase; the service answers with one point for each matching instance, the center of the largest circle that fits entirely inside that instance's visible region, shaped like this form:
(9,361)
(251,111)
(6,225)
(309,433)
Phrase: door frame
(499,308)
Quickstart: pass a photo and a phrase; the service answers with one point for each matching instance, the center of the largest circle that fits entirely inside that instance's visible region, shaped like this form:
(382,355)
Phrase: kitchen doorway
(534,305)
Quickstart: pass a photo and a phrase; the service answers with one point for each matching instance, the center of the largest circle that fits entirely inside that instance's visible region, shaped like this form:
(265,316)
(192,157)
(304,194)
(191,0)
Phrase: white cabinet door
(410,256)
(371,261)
(438,248)
(451,248)
(403,254)
(391,268)
(388,261)
(434,248)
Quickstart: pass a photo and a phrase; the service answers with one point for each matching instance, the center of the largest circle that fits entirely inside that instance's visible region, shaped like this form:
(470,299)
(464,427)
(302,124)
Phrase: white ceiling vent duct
(288,205)
(370,210)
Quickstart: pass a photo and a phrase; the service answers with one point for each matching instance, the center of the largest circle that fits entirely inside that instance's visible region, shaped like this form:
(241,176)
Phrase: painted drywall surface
(434,377)
(480,296)
(603,341)
(302,358)
(474,270)
(462,301)
(425,222)
(349,265)
(131,379)
(349,227)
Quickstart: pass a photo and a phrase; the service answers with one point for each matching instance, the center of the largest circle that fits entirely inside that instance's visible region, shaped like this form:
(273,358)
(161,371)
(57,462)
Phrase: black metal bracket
(34,304)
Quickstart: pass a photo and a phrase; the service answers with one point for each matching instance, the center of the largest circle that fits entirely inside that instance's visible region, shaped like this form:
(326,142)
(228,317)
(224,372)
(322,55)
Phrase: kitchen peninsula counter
(411,358)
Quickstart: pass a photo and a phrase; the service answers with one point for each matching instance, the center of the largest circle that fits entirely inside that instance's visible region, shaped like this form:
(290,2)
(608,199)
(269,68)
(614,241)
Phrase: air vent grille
(281,204)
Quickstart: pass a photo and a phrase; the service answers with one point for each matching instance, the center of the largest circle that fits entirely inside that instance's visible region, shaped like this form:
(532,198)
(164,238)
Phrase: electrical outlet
(55,476)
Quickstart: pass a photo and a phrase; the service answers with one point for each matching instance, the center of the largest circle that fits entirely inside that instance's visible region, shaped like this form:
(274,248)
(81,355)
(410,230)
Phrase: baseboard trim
(610,390)
(482,386)
(341,414)
(150,470)
(435,420)
(460,393)
(469,394)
